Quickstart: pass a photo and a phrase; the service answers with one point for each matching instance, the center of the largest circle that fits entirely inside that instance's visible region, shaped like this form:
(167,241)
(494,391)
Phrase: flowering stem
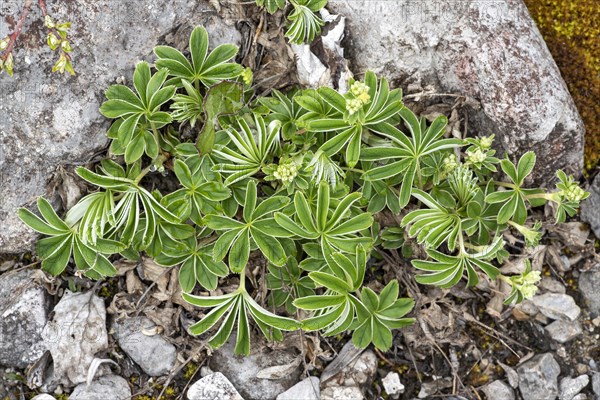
(13,37)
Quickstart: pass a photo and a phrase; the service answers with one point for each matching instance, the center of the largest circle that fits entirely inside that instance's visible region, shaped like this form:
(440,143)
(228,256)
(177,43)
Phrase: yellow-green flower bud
(354,105)
(359,88)
(4,43)
(361,92)
(364,97)
(64,27)
(53,41)
(527,284)
(66,46)
(476,157)
(48,22)
(9,64)
(286,172)
(247,76)
(486,141)
(574,193)
(532,235)
(60,64)
(450,163)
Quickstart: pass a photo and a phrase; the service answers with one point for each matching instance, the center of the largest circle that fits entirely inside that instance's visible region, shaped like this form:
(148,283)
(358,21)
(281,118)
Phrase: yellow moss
(571,29)
(190,370)
(104,292)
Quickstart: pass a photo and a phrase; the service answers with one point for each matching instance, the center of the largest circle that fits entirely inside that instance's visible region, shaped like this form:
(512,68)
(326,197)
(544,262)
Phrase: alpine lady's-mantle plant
(294,179)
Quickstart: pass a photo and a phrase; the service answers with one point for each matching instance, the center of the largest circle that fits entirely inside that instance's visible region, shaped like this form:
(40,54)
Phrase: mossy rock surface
(571,29)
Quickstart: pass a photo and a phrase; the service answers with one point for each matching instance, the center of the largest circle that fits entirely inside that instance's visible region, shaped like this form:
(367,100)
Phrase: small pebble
(391,384)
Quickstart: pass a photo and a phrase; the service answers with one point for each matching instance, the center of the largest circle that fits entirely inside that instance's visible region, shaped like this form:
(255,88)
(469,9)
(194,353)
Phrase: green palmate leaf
(197,264)
(202,189)
(335,232)
(138,112)
(284,109)
(445,271)
(235,236)
(248,152)
(406,156)
(304,23)
(207,68)
(384,313)
(237,306)
(63,243)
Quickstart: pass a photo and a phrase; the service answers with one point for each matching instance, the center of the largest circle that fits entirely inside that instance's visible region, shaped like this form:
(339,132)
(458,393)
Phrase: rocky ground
(126,337)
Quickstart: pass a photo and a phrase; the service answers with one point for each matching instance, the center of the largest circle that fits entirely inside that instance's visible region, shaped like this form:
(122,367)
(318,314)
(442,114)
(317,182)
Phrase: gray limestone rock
(564,331)
(108,387)
(306,389)
(152,352)
(490,51)
(557,306)
(213,387)
(52,120)
(498,390)
(589,285)
(590,208)
(243,371)
(24,307)
(570,387)
(538,378)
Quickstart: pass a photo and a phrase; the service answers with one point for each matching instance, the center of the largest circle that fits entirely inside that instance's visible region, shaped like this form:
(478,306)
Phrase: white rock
(432,387)
(76,333)
(391,383)
(552,285)
(580,396)
(342,393)
(152,352)
(563,331)
(570,387)
(511,375)
(498,390)
(362,370)
(590,213)
(557,306)
(109,387)
(306,389)
(43,396)
(213,387)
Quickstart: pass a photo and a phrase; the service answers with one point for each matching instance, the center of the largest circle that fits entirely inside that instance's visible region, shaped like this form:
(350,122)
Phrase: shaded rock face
(242,371)
(153,353)
(538,378)
(50,120)
(488,50)
(104,388)
(590,208)
(24,308)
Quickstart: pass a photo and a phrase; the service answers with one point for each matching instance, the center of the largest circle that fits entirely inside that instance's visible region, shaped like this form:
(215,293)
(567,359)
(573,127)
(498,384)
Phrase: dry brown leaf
(133,284)
(167,318)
